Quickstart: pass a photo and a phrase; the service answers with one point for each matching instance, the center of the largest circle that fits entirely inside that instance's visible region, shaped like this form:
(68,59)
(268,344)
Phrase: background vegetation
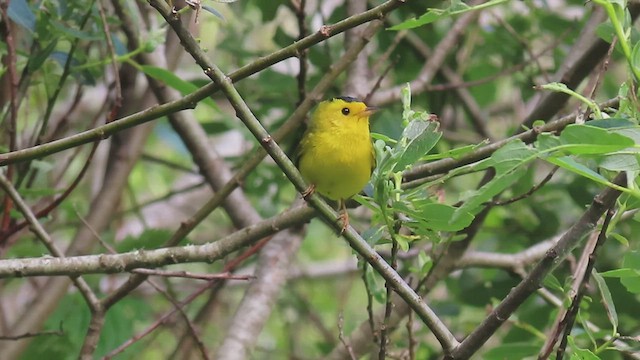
(148,210)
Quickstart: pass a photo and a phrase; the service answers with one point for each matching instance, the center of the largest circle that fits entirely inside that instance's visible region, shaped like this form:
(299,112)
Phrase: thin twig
(299,9)
(367,289)
(531,283)
(11,125)
(527,194)
(190,275)
(229,267)
(55,203)
(59,332)
(189,101)
(382,354)
(192,328)
(117,102)
(352,356)
(575,302)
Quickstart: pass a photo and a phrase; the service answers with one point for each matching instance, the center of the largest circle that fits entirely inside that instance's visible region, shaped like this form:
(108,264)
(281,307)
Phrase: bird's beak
(370,110)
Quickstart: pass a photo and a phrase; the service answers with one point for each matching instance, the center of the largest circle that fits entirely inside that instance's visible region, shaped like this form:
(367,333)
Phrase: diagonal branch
(192,99)
(427,315)
(605,200)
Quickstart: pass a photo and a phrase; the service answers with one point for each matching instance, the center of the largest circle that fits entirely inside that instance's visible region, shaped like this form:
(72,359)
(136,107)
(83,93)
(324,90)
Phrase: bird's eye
(345,111)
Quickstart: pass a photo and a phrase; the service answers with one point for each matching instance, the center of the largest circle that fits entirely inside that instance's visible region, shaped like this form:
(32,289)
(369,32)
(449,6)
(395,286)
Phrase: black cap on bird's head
(347,98)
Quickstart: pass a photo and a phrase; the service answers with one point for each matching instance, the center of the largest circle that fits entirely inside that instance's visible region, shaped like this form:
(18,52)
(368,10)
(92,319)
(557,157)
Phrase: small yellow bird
(335,155)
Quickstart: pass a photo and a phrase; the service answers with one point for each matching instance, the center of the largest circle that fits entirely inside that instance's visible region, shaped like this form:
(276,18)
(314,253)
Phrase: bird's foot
(310,190)
(344,217)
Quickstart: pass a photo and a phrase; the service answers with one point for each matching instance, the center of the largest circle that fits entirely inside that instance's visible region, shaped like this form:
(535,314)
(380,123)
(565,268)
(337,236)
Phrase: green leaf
(149,239)
(213,11)
(36,61)
(421,137)
(75,33)
(552,282)
(455,153)
(439,217)
(607,300)
(518,350)
(612,123)
(621,273)
(514,154)
(403,243)
(632,261)
(620,162)
(20,12)
(635,56)
(547,141)
(173,81)
(508,162)
(456,8)
(620,238)
(571,165)
(586,139)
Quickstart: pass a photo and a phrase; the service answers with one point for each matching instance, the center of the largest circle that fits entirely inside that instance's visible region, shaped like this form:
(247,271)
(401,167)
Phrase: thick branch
(115,263)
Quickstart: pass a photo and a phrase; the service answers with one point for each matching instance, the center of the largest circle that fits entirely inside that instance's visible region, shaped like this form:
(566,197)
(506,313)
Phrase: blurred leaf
(620,238)
(84,76)
(149,239)
(172,80)
(631,260)
(512,351)
(213,11)
(612,123)
(578,353)
(635,56)
(620,162)
(552,282)
(20,12)
(217,127)
(621,273)
(36,61)
(75,33)
(607,300)
(457,7)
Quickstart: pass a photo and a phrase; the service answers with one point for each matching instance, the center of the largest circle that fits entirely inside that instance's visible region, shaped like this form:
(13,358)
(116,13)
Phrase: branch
(433,64)
(443,334)
(259,299)
(591,50)
(532,282)
(116,263)
(190,101)
(445,165)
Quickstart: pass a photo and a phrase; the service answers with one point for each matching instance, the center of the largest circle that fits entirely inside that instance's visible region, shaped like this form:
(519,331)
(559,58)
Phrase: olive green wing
(302,144)
(373,160)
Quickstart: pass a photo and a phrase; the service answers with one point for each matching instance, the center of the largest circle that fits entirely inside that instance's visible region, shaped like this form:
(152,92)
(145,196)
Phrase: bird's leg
(310,190)
(344,216)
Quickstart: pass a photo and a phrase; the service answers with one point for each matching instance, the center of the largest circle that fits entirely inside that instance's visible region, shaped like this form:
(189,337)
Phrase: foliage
(500,127)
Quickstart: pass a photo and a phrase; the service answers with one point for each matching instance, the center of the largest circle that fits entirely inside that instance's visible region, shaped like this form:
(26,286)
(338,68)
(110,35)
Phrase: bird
(335,155)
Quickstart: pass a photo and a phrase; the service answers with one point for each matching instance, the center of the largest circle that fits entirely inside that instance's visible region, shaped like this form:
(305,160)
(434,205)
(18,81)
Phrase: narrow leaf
(172,80)
(607,300)
(571,165)
(20,12)
(585,139)
(422,136)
